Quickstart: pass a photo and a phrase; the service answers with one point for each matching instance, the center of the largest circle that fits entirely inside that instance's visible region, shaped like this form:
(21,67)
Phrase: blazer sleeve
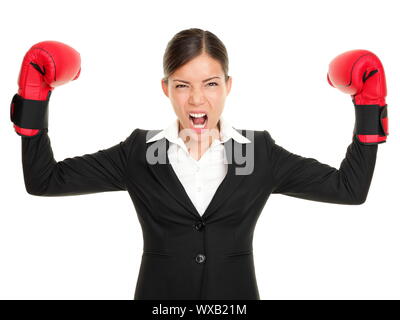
(101,171)
(309,179)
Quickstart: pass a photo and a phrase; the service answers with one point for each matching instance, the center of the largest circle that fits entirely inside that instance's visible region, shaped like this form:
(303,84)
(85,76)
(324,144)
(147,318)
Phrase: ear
(228,85)
(164,86)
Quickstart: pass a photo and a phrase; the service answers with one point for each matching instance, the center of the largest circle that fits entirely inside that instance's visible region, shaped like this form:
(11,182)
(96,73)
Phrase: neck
(199,144)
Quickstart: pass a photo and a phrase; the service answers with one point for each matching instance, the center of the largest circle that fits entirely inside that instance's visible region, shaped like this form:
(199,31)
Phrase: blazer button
(200,258)
(199,225)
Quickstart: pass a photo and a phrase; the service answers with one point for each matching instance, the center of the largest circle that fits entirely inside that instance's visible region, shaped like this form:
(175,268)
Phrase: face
(197,91)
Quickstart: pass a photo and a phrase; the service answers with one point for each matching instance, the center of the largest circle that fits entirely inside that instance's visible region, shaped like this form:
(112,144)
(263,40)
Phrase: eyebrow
(202,81)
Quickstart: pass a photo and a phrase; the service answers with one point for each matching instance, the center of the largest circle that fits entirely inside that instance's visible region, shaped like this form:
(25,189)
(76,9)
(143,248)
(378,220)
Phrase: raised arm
(45,66)
(361,74)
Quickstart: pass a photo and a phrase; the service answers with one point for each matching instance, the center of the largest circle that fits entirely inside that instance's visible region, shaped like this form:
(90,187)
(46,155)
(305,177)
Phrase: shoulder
(256,136)
(267,136)
(142,135)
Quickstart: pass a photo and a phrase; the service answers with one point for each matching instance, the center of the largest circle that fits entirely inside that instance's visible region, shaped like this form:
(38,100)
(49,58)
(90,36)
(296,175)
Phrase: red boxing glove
(46,65)
(360,73)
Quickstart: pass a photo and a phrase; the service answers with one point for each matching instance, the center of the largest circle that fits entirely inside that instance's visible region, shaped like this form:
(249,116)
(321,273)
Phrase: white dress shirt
(200,178)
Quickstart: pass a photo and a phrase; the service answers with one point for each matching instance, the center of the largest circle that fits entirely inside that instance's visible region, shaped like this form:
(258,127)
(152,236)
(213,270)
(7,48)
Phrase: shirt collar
(226,132)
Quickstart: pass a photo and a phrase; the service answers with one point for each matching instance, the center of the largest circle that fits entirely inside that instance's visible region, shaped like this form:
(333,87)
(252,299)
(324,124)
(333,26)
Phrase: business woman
(199,184)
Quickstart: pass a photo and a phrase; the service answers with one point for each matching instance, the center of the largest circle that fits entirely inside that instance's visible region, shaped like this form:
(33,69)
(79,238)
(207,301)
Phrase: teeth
(197,115)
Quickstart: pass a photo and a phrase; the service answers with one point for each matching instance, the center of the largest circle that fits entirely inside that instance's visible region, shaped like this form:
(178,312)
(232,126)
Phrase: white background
(89,247)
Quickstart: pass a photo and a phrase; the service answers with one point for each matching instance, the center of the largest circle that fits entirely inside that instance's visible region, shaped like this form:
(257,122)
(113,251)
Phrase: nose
(196,97)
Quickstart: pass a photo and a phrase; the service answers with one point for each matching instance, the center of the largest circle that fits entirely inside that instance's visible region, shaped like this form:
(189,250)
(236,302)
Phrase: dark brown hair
(190,43)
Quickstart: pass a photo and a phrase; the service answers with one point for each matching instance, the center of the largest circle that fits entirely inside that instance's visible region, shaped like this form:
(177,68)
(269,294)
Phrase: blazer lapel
(167,177)
(229,183)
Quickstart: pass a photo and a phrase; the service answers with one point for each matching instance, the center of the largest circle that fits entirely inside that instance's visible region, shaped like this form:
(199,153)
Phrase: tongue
(199,120)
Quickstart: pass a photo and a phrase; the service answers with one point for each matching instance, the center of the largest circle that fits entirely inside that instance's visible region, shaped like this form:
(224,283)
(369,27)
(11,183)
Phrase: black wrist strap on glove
(369,119)
(29,114)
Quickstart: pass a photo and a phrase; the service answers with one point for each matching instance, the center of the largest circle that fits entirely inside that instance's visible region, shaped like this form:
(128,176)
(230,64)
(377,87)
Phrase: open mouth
(198,120)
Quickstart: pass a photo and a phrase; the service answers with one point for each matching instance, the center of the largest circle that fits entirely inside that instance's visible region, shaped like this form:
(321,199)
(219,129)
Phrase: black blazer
(186,255)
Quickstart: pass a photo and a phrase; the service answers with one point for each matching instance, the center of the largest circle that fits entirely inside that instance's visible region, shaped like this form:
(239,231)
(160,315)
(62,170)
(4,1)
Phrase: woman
(195,200)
